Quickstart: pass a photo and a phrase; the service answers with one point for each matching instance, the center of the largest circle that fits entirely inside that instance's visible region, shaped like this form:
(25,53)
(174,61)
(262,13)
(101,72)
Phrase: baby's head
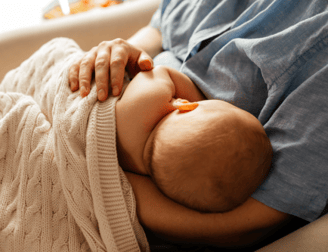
(210,159)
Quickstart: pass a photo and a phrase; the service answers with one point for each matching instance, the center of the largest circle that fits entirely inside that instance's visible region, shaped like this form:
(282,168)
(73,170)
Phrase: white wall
(16,14)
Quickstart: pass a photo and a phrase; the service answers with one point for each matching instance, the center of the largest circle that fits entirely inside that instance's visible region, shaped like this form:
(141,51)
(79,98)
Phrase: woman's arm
(148,39)
(242,226)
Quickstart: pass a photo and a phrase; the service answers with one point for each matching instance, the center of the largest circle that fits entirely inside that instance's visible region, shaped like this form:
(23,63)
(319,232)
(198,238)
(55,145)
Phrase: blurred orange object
(53,10)
(109,3)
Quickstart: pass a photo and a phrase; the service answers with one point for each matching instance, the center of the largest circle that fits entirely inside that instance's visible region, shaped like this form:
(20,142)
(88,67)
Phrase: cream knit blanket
(61,186)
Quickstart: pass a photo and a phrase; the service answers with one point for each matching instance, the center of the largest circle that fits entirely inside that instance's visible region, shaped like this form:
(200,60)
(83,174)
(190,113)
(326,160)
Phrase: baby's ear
(184,105)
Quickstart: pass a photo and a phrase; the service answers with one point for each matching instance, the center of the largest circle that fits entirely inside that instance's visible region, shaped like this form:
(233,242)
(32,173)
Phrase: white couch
(88,30)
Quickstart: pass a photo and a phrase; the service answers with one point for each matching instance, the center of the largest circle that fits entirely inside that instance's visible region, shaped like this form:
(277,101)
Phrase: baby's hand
(108,60)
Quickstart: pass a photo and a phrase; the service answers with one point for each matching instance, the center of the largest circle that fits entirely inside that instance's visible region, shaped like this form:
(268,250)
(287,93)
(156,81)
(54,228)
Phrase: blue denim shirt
(270,58)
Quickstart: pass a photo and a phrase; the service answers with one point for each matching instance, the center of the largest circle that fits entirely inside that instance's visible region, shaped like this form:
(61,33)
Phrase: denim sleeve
(298,130)
(269,58)
(274,64)
(156,20)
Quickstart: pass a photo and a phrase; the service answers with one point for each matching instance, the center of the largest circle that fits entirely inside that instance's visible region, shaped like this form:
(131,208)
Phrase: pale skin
(148,101)
(154,111)
(114,55)
(245,225)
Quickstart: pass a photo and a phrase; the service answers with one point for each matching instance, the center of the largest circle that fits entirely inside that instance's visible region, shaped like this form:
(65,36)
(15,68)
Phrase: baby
(207,155)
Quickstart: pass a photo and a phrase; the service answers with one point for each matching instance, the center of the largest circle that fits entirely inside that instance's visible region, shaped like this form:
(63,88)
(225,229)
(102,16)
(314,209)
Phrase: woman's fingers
(73,76)
(139,61)
(120,54)
(145,62)
(108,60)
(87,66)
(102,64)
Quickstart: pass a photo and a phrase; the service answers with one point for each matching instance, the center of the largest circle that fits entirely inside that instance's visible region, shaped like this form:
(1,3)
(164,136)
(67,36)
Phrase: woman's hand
(108,60)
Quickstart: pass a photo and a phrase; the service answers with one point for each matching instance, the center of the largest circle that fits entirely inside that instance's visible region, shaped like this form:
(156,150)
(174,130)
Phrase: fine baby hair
(214,162)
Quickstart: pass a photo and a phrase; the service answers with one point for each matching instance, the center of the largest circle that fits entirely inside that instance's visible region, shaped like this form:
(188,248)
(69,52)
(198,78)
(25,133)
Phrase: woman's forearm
(240,227)
(148,39)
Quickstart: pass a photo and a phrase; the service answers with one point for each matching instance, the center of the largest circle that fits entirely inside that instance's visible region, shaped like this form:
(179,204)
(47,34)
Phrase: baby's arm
(184,87)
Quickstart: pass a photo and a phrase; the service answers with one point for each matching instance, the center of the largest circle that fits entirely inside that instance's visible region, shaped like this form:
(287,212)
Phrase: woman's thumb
(145,62)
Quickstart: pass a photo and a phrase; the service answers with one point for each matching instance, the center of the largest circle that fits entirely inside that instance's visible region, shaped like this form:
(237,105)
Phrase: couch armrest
(311,238)
(87,29)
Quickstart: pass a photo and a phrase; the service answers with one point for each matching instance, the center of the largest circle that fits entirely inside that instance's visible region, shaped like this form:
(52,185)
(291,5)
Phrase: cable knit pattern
(61,188)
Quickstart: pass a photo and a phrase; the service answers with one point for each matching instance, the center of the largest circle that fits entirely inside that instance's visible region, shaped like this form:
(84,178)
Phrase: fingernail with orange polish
(146,64)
